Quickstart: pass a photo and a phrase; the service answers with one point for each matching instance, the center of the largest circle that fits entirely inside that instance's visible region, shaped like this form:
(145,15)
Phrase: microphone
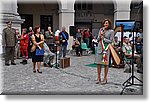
(103,29)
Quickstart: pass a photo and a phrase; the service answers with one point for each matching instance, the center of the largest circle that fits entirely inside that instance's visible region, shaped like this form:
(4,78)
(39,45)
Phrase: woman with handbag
(37,49)
(105,37)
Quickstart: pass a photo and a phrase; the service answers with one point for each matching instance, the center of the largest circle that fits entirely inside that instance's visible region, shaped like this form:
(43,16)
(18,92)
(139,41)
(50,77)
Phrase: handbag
(39,52)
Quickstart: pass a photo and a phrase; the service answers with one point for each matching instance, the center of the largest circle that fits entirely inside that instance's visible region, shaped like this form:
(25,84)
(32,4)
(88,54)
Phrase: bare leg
(99,74)
(34,64)
(38,64)
(105,74)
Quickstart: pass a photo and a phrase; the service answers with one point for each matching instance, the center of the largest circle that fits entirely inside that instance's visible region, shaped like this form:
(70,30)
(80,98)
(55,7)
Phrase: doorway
(46,20)
(28,20)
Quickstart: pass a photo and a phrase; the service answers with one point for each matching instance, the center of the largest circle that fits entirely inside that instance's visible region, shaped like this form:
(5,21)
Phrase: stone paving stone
(77,79)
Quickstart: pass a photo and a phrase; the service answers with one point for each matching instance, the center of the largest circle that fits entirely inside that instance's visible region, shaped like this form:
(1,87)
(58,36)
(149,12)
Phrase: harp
(117,58)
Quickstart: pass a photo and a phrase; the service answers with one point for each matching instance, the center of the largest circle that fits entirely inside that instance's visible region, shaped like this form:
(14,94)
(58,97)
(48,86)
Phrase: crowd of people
(42,47)
(84,36)
(25,46)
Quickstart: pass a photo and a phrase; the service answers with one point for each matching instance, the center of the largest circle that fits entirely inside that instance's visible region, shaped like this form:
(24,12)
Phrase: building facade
(82,14)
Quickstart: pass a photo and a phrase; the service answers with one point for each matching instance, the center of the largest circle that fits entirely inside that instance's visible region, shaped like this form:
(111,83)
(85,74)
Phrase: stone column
(122,9)
(8,12)
(66,16)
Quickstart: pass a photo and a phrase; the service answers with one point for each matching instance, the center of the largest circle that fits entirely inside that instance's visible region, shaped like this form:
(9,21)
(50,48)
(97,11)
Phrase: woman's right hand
(102,33)
(102,37)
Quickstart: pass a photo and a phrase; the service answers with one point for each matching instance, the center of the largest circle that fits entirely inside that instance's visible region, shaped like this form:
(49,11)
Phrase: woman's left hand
(39,47)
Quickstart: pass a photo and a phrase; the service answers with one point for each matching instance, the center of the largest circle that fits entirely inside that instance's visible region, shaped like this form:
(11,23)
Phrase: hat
(125,37)
(130,35)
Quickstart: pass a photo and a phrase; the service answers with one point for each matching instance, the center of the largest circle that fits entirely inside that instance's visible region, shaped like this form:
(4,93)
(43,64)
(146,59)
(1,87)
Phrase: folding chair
(73,52)
(85,48)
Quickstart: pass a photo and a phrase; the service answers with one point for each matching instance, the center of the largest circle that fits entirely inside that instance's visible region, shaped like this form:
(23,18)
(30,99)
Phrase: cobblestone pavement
(76,79)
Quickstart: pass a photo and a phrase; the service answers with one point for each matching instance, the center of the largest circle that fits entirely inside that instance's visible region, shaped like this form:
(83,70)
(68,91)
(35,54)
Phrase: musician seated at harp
(116,46)
(127,50)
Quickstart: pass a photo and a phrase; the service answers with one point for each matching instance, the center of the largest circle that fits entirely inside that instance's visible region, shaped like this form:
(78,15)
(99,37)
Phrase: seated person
(77,46)
(48,56)
(94,44)
(116,46)
(139,46)
(127,50)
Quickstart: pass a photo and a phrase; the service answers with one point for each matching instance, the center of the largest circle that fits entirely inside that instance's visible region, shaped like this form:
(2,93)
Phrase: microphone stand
(56,64)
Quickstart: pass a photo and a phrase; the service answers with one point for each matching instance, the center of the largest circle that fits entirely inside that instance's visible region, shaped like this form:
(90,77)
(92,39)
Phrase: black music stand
(130,80)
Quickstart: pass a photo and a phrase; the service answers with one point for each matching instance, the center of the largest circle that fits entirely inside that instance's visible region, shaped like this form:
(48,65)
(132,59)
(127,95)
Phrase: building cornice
(121,11)
(66,11)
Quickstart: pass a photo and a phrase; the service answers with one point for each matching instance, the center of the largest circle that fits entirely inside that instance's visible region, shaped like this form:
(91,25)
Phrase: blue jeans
(63,50)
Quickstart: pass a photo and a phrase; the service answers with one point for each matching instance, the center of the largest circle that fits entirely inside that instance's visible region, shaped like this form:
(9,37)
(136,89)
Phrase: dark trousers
(9,54)
(78,50)
(51,47)
(29,51)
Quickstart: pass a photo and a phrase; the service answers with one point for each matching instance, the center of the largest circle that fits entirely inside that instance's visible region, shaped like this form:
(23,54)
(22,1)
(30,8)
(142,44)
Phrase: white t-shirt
(95,42)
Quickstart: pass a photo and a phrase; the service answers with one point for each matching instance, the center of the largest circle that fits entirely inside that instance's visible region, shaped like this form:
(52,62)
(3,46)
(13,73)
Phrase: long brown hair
(35,29)
(109,21)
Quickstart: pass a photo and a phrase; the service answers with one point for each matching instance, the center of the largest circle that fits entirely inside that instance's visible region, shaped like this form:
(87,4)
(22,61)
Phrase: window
(90,6)
(28,20)
(46,20)
(83,6)
(79,6)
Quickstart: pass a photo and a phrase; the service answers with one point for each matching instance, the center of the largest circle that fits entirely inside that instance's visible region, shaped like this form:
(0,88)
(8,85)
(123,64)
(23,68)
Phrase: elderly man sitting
(48,56)
(127,50)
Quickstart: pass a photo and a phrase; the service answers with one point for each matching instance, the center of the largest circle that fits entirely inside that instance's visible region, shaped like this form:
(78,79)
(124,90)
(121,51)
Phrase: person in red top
(24,45)
(87,36)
